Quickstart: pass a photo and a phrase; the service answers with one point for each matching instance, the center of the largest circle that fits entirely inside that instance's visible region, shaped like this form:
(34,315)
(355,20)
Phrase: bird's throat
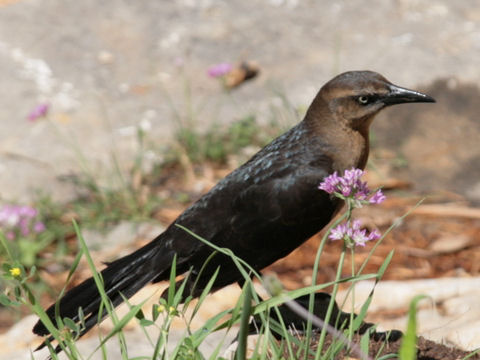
(350,150)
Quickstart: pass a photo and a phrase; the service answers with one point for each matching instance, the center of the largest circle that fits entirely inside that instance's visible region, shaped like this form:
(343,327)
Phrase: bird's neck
(363,131)
(349,148)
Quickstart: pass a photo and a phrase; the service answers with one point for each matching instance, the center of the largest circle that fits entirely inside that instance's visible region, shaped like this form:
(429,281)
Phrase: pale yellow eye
(363,100)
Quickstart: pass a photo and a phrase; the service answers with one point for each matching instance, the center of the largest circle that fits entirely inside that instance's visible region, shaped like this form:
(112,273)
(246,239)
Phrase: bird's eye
(363,100)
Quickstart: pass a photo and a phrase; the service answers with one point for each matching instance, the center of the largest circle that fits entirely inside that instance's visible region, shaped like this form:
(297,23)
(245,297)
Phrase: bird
(261,211)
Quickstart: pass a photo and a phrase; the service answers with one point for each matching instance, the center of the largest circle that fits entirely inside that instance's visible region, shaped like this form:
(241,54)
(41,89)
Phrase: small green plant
(218,143)
(120,196)
(408,349)
(99,207)
(25,231)
(29,233)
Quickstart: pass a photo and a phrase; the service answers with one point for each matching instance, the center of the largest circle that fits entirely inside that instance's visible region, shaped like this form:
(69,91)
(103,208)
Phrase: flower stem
(352,312)
(311,302)
(348,217)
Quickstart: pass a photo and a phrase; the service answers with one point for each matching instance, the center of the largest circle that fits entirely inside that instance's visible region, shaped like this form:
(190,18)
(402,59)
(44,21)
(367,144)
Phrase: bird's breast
(350,151)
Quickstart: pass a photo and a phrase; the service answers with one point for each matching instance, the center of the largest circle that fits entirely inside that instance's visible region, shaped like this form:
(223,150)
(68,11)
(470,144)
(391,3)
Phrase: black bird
(264,209)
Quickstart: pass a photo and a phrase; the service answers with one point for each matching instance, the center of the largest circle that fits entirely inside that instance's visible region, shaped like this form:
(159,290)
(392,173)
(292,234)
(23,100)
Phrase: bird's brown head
(344,108)
(353,98)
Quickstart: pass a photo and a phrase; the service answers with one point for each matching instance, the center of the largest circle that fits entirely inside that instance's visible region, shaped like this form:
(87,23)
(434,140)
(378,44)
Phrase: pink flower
(27,211)
(350,186)
(338,232)
(39,227)
(352,177)
(24,230)
(374,235)
(38,112)
(329,184)
(20,220)
(219,70)
(377,198)
(353,234)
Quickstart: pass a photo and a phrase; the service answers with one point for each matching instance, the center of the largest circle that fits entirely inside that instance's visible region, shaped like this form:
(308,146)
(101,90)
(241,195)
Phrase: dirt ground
(426,350)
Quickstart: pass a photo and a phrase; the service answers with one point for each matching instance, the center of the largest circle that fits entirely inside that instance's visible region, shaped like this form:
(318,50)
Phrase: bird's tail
(121,279)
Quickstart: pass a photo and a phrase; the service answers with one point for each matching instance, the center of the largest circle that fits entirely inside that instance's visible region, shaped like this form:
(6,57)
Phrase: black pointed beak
(399,95)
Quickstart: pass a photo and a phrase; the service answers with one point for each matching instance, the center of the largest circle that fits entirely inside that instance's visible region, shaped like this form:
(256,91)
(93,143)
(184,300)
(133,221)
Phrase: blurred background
(120,113)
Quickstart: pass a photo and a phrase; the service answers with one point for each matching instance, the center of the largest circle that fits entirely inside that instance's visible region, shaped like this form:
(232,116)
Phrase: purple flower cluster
(38,112)
(355,192)
(219,70)
(20,220)
(353,234)
(351,186)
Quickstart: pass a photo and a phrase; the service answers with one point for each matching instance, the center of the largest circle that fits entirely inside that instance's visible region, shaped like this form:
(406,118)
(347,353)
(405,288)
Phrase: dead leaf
(450,243)
(240,74)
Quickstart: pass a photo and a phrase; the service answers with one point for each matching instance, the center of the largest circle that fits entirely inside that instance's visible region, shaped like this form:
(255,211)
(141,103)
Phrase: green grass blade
(120,324)
(241,352)
(173,274)
(204,293)
(240,263)
(365,341)
(209,327)
(473,353)
(385,264)
(408,348)
(5,245)
(97,277)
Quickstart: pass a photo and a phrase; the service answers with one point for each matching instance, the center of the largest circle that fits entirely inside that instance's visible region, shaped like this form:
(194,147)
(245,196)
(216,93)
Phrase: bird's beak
(399,95)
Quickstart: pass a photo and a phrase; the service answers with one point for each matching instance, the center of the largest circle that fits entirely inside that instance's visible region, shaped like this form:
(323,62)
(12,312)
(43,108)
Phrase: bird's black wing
(261,212)
(274,217)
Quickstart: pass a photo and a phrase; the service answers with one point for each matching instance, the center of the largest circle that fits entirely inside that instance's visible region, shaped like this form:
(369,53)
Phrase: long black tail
(121,279)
